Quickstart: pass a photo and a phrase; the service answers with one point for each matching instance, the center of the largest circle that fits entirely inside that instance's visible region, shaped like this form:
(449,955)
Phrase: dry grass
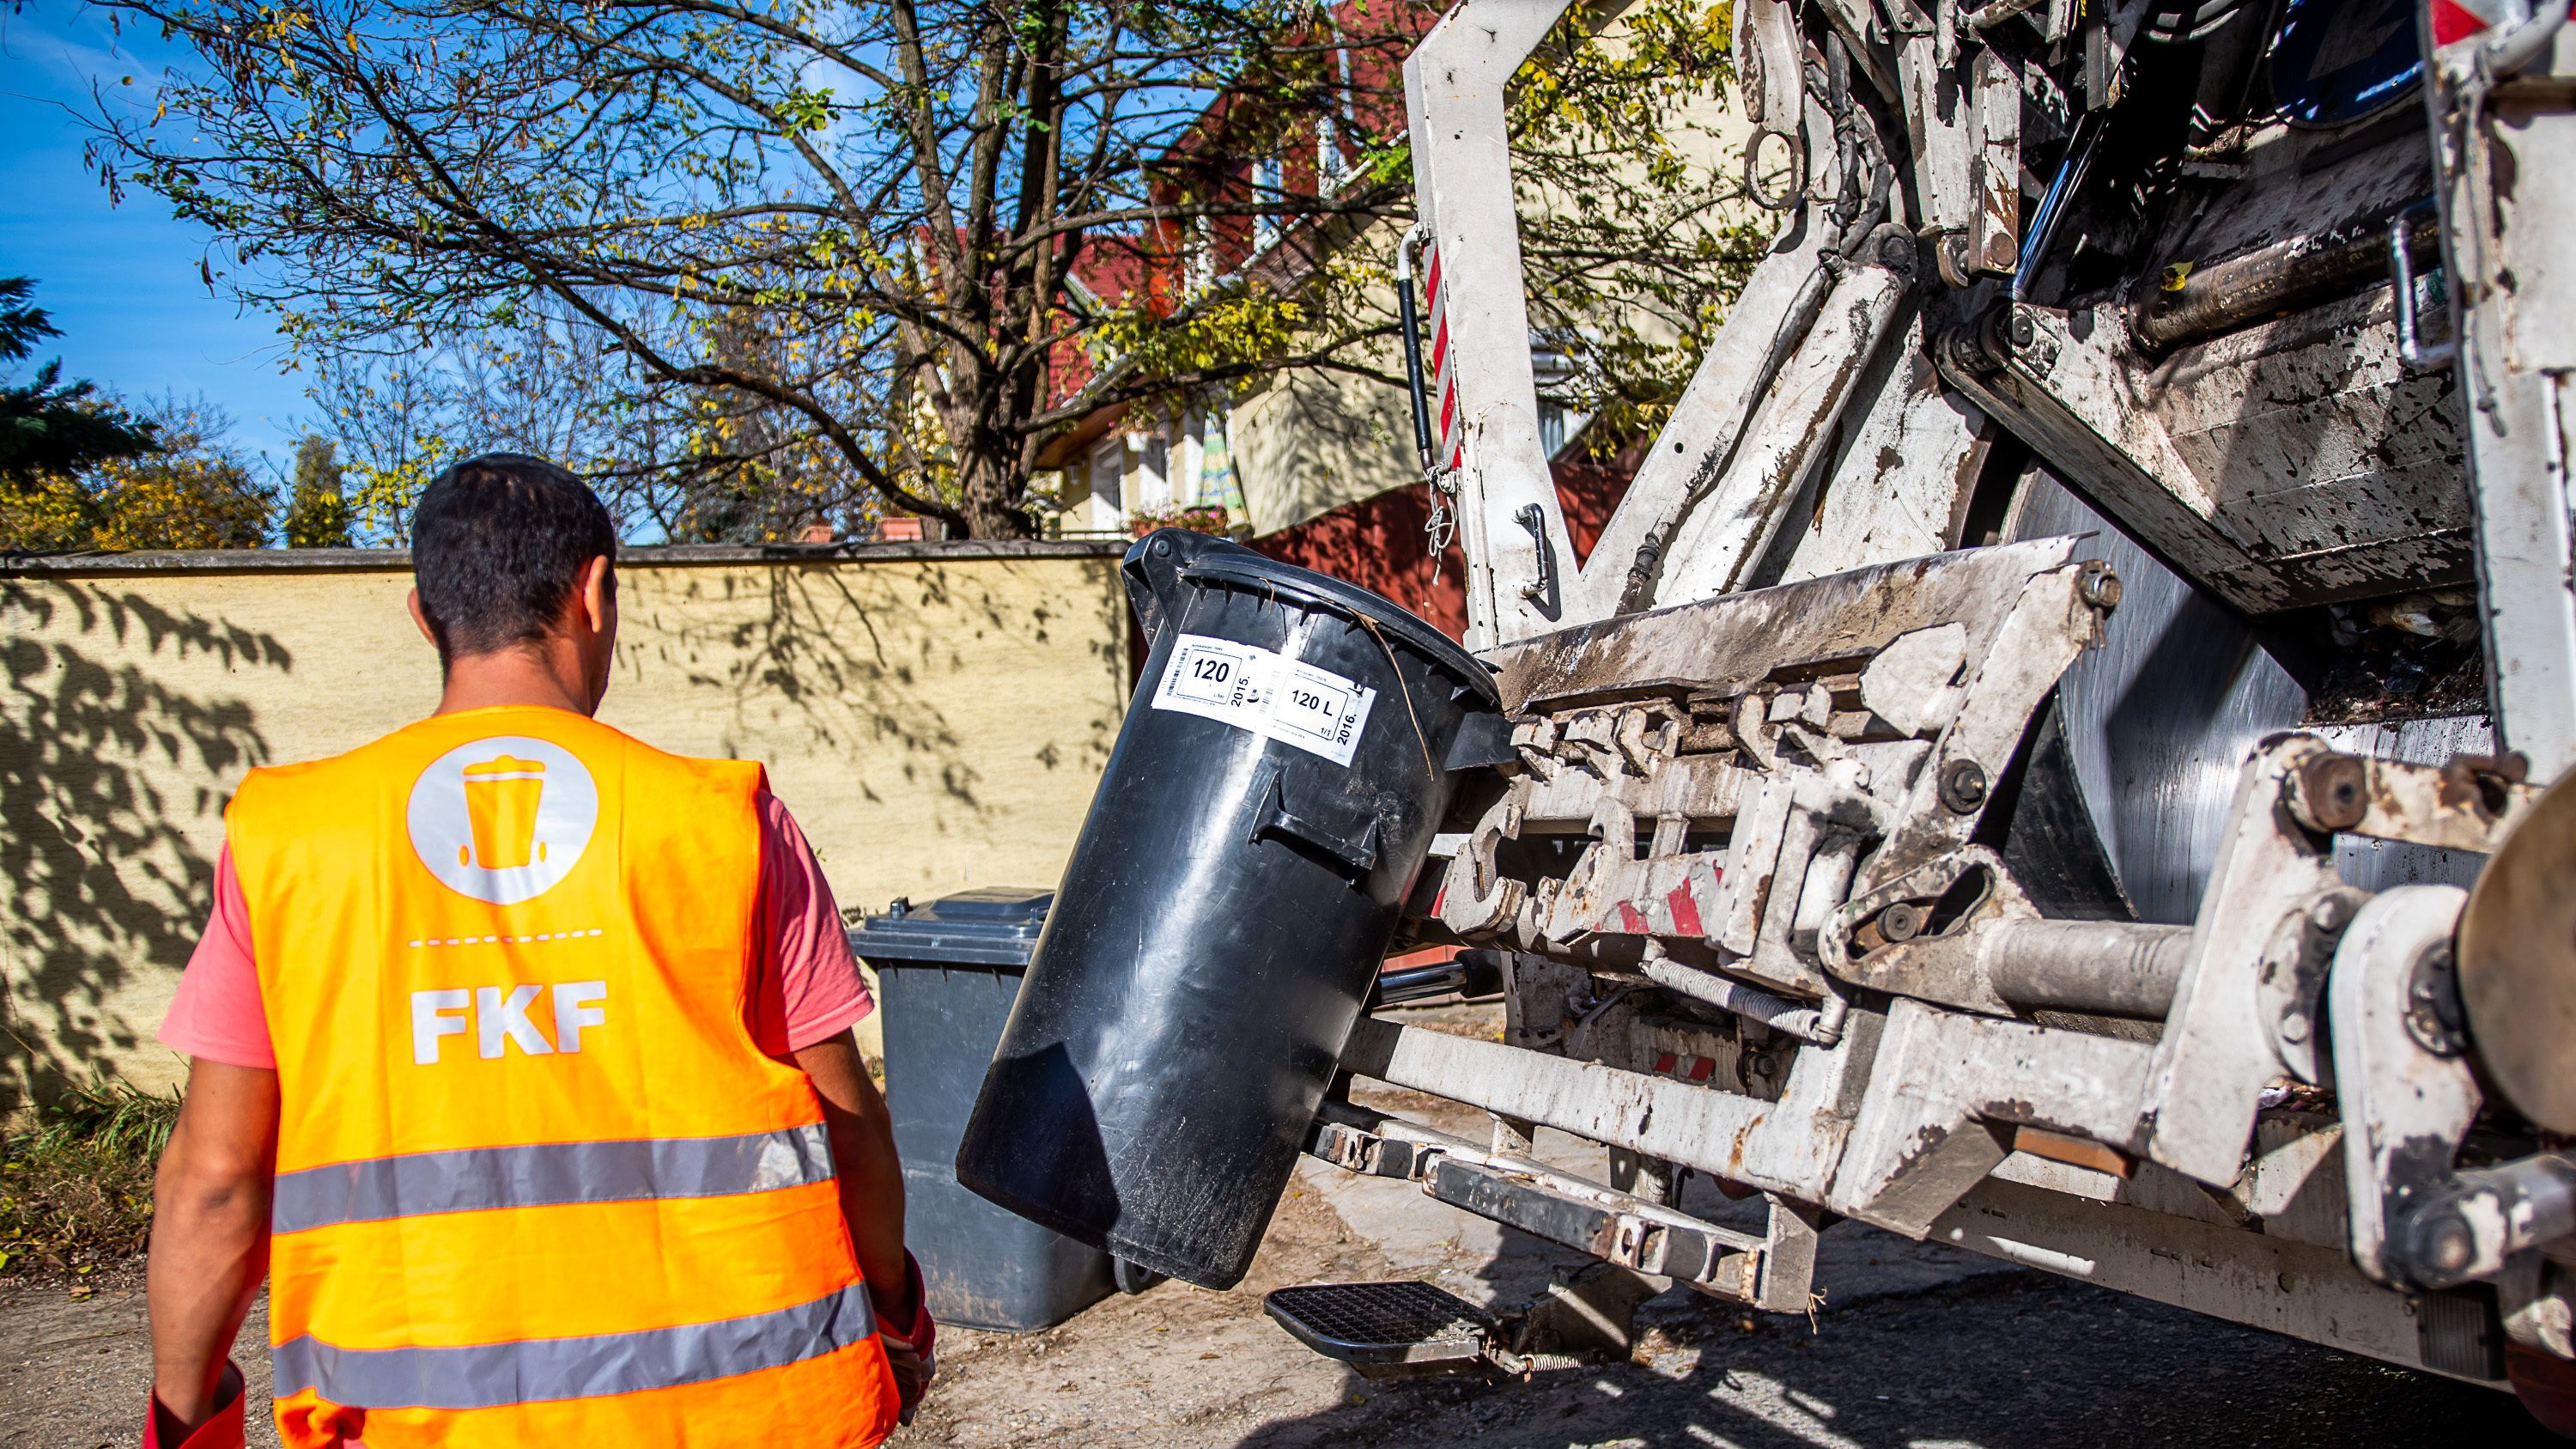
(76,1188)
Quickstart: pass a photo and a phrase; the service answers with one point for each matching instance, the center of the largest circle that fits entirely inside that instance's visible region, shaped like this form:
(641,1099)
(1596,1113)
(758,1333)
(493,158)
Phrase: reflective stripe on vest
(549,1174)
(489,1375)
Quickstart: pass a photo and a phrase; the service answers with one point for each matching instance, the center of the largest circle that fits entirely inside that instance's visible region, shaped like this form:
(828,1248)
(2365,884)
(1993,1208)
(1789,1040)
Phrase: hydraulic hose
(2052,207)
(1412,322)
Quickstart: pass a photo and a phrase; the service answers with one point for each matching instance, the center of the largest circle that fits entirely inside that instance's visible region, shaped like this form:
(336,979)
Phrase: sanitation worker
(522,1066)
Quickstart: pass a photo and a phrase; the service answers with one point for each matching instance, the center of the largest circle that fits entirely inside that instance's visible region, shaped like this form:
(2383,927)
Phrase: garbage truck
(2062,749)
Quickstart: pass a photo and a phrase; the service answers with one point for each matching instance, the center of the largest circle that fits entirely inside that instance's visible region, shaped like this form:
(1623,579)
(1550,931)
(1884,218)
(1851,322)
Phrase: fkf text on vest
(498,1018)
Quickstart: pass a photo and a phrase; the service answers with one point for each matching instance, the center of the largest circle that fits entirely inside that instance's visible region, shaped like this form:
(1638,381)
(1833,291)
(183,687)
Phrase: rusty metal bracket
(2054,617)
(1952,1092)
(2467,804)
(2244,1011)
(2405,1109)
(1476,899)
(1902,939)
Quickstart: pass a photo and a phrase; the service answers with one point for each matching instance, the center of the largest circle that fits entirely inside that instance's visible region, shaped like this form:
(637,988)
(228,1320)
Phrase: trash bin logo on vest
(503,819)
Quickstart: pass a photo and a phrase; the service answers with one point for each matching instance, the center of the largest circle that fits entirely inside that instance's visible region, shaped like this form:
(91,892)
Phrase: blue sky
(121,281)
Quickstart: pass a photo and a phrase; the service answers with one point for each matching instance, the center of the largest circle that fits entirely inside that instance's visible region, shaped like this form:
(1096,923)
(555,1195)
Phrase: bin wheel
(1130,1278)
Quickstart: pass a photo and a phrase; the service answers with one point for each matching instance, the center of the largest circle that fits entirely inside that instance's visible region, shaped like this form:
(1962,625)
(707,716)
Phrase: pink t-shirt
(809,989)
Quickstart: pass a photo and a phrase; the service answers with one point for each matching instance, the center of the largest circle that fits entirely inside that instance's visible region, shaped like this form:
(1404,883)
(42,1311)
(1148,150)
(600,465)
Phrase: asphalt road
(1917,1346)
(2012,1360)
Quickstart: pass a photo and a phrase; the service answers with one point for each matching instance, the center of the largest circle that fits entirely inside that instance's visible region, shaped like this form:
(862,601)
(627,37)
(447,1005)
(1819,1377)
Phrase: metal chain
(1440,527)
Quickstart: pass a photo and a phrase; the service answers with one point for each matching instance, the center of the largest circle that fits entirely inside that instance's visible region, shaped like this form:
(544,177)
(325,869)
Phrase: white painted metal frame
(1485,404)
(2508,199)
(1908,1120)
(1752,422)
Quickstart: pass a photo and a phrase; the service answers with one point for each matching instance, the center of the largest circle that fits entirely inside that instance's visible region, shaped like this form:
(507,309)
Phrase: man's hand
(911,1343)
(854,1113)
(209,1234)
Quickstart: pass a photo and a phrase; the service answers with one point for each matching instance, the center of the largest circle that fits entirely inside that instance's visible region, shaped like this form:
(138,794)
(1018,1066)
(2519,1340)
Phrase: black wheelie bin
(1293,744)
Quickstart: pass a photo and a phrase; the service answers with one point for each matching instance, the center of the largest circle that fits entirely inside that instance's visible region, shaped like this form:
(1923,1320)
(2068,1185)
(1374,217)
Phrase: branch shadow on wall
(108,781)
(866,666)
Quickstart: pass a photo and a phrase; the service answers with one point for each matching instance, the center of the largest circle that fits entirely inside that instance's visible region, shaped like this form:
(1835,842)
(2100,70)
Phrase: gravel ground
(1998,1360)
(75,1373)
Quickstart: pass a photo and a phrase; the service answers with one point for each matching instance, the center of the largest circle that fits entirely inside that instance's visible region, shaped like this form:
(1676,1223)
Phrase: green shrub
(76,1186)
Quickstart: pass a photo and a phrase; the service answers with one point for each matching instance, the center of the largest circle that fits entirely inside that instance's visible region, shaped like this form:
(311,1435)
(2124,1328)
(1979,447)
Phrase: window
(1558,424)
(1153,476)
(1108,463)
(1268,182)
(1331,171)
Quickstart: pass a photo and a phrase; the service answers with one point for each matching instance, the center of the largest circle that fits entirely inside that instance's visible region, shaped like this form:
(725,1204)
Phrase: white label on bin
(1270,694)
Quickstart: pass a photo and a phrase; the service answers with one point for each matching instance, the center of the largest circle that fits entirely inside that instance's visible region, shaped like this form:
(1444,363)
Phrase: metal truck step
(1381,1327)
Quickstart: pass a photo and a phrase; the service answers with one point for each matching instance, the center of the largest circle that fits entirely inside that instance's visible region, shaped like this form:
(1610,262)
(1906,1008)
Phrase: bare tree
(897,195)
(404,405)
(672,463)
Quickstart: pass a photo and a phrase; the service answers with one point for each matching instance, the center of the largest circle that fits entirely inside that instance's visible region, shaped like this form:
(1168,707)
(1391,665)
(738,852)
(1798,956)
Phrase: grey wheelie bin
(947,973)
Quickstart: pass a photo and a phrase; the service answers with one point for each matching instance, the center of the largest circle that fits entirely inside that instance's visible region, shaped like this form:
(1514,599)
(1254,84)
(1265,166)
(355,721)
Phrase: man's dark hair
(497,545)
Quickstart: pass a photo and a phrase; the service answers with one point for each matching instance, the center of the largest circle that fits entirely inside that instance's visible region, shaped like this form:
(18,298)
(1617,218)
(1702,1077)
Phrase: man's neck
(545,675)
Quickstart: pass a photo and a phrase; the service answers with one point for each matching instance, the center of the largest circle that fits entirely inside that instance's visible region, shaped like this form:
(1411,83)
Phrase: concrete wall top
(644,556)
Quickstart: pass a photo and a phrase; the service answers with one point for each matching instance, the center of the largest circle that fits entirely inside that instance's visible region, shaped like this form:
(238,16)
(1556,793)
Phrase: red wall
(1379,544)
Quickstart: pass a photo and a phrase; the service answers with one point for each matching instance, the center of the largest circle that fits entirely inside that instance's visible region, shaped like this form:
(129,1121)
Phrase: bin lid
(1204,559)
(994,926)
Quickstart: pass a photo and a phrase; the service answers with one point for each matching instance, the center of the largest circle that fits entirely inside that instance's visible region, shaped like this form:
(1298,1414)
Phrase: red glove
(223,1431)
(910,1349)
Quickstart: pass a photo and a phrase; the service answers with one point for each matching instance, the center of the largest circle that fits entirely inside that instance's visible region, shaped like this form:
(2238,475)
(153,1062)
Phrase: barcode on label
(1267,693)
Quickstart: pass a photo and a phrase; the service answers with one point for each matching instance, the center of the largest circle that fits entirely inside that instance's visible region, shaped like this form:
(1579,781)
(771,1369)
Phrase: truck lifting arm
(1487,449)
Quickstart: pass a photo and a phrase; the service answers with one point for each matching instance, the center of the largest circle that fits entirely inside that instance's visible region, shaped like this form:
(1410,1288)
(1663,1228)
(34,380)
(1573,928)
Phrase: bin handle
(1351,843)
(1152,569)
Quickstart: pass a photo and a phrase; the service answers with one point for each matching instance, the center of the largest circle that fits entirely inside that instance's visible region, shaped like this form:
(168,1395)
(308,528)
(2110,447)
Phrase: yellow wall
(935,719)
(1310,441)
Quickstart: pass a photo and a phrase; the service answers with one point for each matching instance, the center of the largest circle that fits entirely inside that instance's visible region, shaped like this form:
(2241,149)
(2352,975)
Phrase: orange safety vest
(536,1184)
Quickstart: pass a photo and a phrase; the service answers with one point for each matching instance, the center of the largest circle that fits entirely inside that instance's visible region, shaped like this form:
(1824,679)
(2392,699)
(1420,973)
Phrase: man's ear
(597,593)
(421,619)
